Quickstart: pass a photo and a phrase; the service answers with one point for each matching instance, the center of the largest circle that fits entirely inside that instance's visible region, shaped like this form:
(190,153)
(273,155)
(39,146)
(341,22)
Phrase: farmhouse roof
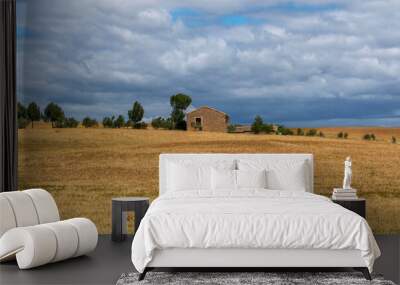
(206,107)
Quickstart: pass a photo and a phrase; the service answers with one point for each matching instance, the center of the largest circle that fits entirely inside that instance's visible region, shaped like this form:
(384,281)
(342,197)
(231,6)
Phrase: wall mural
(104,87)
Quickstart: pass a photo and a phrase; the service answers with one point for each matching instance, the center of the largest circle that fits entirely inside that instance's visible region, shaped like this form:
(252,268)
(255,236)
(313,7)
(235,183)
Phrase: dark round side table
(120,207)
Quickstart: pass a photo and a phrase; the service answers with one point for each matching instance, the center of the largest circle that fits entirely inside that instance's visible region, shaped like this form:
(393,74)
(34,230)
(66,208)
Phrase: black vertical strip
(8,100)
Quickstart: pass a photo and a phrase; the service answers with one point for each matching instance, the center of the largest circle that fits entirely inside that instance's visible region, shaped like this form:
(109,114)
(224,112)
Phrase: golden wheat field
(85,168)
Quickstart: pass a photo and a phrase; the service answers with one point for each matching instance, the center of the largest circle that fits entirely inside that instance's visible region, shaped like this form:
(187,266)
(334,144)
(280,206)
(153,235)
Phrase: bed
(247,210)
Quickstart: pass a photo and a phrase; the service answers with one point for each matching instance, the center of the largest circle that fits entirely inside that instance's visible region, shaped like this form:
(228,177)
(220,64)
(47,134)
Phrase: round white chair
(31,231)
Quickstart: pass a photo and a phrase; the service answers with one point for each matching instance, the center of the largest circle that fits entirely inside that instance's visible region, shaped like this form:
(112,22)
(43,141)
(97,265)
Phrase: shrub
(311,132)
(231,128)
(345,135)
(88,122)
(340,135)
(369,137)
(300,132)
(66,123)
(161,123)
(394,140)
(140,125)
(282,130)
(321,134)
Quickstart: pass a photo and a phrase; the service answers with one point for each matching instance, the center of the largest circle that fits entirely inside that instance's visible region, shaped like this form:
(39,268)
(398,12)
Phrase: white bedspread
(251,219)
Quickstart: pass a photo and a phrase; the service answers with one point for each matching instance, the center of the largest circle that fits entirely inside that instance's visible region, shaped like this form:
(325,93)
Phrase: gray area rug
(225,278)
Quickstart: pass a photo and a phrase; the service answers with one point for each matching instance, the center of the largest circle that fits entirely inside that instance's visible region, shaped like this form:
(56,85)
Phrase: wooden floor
(110,260)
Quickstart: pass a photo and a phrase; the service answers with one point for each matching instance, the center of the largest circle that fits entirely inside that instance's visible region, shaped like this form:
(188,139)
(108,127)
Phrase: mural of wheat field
(84,168)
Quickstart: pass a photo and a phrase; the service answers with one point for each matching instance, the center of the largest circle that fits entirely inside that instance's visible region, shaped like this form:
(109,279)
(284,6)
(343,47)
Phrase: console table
(120,207)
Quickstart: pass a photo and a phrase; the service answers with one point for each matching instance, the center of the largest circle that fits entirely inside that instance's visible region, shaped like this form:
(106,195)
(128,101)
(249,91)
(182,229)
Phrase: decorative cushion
(187,174)
(251,179)
(281,174)
(183,178)
(223,179)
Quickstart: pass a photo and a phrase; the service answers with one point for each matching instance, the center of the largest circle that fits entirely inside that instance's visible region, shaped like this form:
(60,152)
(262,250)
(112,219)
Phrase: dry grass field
(85,168)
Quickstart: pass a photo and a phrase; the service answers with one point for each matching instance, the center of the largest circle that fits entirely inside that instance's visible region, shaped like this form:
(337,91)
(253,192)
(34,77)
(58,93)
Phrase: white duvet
(250,219)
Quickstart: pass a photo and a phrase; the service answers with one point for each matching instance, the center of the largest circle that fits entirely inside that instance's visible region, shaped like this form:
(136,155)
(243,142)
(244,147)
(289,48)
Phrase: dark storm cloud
(306,62)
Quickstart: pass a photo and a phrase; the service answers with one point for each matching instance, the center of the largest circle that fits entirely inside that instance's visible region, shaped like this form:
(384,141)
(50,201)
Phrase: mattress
(250,219)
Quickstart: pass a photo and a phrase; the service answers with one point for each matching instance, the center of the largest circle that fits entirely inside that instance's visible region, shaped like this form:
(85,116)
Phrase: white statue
(347,173)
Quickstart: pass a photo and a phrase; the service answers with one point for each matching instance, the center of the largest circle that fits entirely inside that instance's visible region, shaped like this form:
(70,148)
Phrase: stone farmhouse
(207,119)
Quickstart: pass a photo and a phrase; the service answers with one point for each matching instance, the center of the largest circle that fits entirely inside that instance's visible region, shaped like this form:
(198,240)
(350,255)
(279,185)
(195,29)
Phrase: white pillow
(251,178)
(193,174)
(186,178)
(223,179)
(289,175)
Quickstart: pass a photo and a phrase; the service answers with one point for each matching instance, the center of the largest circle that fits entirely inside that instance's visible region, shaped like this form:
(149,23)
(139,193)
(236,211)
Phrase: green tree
(33,112)
(88,122)
(119,122)
(179,103)
(21,111)
(311,132)
(53,113)
(22,116)
(136,114)
(108,122)
(300,132)
(257,125)
(340,135)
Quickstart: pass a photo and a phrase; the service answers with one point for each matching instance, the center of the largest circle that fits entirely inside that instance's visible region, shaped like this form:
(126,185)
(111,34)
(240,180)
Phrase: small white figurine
(347,173)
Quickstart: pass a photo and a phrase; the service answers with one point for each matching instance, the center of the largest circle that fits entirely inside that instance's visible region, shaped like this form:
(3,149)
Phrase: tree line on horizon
(176,121)
(55,114)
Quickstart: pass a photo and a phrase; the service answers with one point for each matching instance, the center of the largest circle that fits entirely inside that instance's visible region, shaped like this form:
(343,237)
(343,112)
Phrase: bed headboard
(210,157)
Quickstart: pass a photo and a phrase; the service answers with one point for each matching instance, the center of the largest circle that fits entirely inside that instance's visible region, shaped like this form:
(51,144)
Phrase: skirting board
(189,257)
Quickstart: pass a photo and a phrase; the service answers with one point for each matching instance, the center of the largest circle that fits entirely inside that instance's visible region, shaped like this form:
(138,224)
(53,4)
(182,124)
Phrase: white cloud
(109,53)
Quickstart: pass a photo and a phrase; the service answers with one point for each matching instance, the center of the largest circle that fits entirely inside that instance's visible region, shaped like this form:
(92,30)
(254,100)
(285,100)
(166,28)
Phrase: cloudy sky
(301,63)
